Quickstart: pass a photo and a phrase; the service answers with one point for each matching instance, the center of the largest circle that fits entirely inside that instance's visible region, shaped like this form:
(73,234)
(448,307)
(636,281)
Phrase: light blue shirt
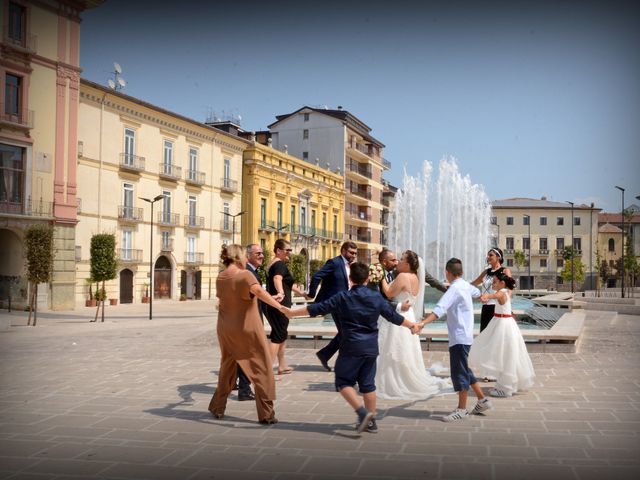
(456,303)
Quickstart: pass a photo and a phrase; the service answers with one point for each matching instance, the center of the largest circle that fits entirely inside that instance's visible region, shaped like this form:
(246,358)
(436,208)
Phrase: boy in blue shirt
(356,312)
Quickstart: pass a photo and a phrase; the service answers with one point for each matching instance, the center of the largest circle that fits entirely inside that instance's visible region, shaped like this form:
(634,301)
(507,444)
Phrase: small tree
(262,269)
(103,264)
(604,272)
(314,266)
(578,270)
(39,251)
(298,268)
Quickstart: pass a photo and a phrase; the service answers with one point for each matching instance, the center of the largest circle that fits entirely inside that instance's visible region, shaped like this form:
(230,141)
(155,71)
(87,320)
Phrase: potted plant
(113,301)
(91,301)
(145,296)
(183,297)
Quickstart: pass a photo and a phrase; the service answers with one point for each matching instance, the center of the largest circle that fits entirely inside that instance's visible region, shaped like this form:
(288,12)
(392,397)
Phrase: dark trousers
(244,384)
(486,314)
(332,347)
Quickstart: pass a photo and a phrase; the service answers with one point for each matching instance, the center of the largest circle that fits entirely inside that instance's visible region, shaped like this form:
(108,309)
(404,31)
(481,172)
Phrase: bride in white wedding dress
(401,374)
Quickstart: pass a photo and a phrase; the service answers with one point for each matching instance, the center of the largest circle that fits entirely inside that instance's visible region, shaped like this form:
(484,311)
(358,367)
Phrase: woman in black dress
(280,284)
(495,259)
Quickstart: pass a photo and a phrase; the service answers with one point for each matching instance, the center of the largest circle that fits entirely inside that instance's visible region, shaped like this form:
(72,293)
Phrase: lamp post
(622,215)
(151,201)
(529,262)
(591,246)
(572,251)
(233,225)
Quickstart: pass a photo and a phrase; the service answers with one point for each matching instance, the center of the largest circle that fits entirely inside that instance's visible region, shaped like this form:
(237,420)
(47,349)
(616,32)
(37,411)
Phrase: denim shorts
(461,375)
(351,370)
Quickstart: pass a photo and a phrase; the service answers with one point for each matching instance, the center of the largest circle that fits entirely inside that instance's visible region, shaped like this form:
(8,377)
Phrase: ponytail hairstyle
(509,282)
(233,254)
(412,259)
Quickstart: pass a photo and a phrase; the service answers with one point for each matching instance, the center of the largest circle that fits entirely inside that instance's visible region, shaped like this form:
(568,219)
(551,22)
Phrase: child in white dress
(499,351)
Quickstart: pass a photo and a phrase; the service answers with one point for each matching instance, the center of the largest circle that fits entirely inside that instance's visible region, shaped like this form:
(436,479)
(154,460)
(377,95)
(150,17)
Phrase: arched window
(612,245)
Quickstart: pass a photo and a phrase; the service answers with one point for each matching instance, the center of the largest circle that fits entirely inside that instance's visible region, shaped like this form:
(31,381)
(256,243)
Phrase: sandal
(496,392)
(285,371)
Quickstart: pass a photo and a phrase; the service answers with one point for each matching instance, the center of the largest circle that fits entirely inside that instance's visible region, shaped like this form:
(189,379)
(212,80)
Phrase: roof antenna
(117,82)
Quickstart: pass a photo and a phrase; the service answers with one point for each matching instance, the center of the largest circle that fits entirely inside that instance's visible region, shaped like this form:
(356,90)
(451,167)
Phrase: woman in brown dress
(241,335)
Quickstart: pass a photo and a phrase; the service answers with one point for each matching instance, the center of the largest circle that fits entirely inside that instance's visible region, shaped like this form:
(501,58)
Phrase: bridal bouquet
(376,273)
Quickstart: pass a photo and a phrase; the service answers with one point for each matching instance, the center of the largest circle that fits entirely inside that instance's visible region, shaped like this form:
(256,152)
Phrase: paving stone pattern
(127,399)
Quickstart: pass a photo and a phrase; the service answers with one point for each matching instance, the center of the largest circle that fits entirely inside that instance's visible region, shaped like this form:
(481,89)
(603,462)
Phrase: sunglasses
(288,250)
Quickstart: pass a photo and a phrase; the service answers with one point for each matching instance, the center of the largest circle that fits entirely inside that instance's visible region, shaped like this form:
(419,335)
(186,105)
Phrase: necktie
(389,277)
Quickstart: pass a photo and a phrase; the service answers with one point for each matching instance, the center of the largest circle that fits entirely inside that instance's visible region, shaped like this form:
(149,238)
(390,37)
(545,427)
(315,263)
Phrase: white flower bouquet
(376,273)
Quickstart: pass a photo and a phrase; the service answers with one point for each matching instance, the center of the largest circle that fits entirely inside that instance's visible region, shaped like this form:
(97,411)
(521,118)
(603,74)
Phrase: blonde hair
(232,254)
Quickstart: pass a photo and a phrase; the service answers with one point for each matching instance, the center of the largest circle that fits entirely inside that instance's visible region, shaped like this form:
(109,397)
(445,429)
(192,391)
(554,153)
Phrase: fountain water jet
(442,218)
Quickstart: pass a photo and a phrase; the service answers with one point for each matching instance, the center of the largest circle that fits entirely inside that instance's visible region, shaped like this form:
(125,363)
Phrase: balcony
(361,193)
(21,118)
(386,164)
(193,222)
(132,163)
(168,219)
(167,245)
(194,177)
(26,44)
(267,225)
(228,185)
(364,237)
(226,225)
(129,214)
(193,258)
(37,208)
(129,255)
(362,170)
(509,251)
(365,217)
(169,171)
(543,251)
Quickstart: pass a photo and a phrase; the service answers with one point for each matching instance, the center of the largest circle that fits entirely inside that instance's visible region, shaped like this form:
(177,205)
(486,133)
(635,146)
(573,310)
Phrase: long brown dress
(242,341)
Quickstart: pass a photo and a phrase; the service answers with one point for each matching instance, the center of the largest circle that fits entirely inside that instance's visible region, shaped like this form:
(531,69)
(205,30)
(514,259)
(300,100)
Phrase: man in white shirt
(457,304)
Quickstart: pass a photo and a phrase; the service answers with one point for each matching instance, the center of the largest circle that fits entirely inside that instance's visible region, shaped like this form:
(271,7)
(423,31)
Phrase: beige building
(338,140)
(39,64)
(285,197)
(541,229)
(130,150)
(610,239)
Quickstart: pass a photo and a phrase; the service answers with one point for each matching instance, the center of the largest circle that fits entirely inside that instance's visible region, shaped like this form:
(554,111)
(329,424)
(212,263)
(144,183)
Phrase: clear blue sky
(533,98)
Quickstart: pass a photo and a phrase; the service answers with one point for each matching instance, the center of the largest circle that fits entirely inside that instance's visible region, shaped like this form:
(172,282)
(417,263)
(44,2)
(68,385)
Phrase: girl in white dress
(401,374)
(499,351)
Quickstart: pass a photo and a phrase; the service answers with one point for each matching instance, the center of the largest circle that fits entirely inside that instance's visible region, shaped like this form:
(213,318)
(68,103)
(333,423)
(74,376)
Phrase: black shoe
(243,397)
(235,387)
(363,422)
(372,427)
(323,362)
(269,421)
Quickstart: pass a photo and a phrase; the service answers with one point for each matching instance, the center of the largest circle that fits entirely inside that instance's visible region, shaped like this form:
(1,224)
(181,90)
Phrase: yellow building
(286,197)
(39,64)
(130,150)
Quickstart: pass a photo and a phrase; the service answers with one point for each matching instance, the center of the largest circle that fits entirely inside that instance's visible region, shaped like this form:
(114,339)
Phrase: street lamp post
(591,246)
(529,262)
(233,224)
(572,251)
(150,201)
(622,215)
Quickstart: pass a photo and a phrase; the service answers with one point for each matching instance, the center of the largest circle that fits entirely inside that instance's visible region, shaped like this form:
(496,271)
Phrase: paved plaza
(127,399)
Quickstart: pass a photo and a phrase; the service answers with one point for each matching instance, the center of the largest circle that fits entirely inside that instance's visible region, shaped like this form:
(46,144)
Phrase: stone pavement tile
(615,441)
(15,464)
(23,429)
(151,472)
(21,418)
(68,420)
(331,466)
(558,440)
(66,450)
(327,443)
(100,408)
(139,435)
(599,473)
(33,476)
(380,447)
(439,438)
(515,452)
(279,463)
(296,451)
(129,454)
(126,423)
(178,456)
(456,469)
(75,432)
(398,467)
(446,450)
(231,459)
(484,438)
(614,454)
(183,440)
(20,448)
(560,452)
(223,474)
(578,415)
(204,426)
(532,472)
(569,426)
(68,467)
(624,426)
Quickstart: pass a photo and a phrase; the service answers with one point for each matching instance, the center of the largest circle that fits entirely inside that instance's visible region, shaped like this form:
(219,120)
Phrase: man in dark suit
(255,257)
(334,276)
(388,260)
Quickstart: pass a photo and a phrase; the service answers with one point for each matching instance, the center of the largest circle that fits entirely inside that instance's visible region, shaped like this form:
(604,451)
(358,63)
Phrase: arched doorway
(13,280)
(126,286)
(162,278)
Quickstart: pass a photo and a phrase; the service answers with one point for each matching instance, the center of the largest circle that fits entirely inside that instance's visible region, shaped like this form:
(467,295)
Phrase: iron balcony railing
(24,42)
(386,164)
(192,221)
(364,237)
(193,258)
(32,208)
(131,162)
(168,219)
(226,225)
(358,168)
(169,171)
(361,193)
(229,185)
(167,245)
(195,177)
(21,118)
(129,255)
(360,216)
(129,214)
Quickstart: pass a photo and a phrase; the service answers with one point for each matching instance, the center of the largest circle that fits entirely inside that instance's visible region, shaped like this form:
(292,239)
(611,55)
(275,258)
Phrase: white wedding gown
(500,352)
(401,374)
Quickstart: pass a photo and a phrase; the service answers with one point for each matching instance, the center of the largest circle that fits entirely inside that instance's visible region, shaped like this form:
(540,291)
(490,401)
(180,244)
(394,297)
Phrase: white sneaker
(497,392)
(457,414)
(482,406)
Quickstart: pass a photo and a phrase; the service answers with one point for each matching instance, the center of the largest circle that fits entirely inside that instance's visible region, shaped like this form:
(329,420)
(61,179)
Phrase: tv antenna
(117,82)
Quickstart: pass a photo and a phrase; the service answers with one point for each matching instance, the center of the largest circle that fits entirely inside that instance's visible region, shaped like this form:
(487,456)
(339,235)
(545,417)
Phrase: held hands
(278,297)
(286,311)
(416,328)
(484,298)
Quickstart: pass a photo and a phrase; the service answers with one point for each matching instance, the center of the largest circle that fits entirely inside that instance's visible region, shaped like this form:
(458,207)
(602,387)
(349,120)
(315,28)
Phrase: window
(127,200)
(17,24)
(191,249)
(494,220)
(227,170)
(279,216)
(293,218)
(167,158)
(509,244)
(306,117)
(313,222)
(129,146)
(303,219)
(12,95)
(559,243)
(526,243)
(226,208)
(263,212)
(509,220)
(193,164)
(509,262)
(126,245)
(576,221)
(543,263)
(543,243)
(335,228)
(305,134)
(525,219)
(560,221)
(12,160)
(612,245)
(166,207)
(324,223)
(166,241)
(543,220)
(577,244)
(305,155)
(560,262)
(192,210)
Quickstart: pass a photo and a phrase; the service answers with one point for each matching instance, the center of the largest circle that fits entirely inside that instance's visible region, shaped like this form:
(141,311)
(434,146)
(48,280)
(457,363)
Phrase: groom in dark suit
(334,276)
(389,261)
